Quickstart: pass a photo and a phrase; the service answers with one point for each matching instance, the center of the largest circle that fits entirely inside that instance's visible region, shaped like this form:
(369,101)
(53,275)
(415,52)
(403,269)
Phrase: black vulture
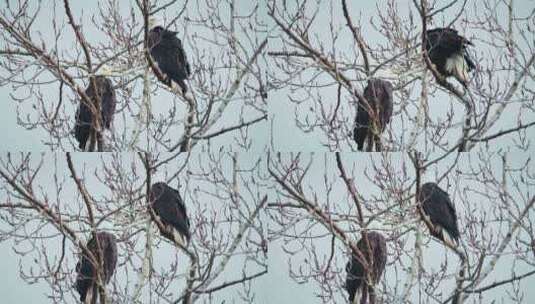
(356,273)
(86,282)
(379,97)
(170,210)
(447,51)
(439,210)
(102,91)
(166,49)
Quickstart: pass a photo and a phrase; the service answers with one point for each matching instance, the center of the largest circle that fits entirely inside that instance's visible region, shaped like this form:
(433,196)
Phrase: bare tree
(52,204)
(322,53)
(48,53)
(325,203)
(207,139)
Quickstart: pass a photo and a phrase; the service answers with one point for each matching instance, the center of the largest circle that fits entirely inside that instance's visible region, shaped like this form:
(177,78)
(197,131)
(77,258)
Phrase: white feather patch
(358,295)
(105,70)
(179,239)
(107,139)
(154,22)
(87,143)
(89,296)
(448,239)
(457,66)
(426,217)
(177,236)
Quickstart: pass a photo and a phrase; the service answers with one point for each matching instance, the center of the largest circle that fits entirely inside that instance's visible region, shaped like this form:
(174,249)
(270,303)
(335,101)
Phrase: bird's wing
(379,257)
(180,205)
(164,53)
(447,199)
(84,277)
(172,49)
(442,210)
(83,114)
(83,122)
(110,261)
(171,210)
(109,103)
(385,96)
(355,274)
(370,96)
(183,59)
(85,110)
(363,115)
(379,91)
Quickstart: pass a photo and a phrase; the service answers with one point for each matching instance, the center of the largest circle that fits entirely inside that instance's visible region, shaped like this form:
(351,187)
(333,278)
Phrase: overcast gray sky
(284,113)
(204,48)
(467,203)
(201,203)
(276,287)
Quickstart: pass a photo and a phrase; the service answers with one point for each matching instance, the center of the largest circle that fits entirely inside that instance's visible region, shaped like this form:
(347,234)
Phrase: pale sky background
(288,137)
(289,291)
(15,290)
(162,102)
(276,287)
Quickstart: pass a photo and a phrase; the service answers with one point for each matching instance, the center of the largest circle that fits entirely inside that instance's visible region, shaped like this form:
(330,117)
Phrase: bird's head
(155,23)
(156,189)
(158,186)
(104,70)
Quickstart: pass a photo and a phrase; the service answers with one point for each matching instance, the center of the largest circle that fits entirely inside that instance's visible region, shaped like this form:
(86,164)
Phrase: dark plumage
(170,210)
(440,211)
(379,95)
(447,51)
(84,116)
(86,284)
(356,275)
(167,51)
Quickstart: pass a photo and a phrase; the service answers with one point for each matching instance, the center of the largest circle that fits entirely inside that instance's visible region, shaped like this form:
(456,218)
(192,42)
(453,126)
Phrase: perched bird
(102,92)
(440,212)
(166,49)
(357,276)
(447,51)
(169,209)
(373,116)
(86,282)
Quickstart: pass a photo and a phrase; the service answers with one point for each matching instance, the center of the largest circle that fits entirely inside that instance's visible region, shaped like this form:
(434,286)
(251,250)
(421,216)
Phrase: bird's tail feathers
(179,238)
(471,65)
(358,296)
(449,239)
(459,67)
(83,145)
(359,135)
(90,296)
(183,86)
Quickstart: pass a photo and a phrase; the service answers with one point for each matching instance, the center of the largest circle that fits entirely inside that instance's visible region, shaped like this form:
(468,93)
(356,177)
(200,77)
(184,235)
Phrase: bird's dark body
(379,95)
(445,43)
(437,205)
(103,91)
(167,51)
(168,205)
(356,273)
(86,279)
